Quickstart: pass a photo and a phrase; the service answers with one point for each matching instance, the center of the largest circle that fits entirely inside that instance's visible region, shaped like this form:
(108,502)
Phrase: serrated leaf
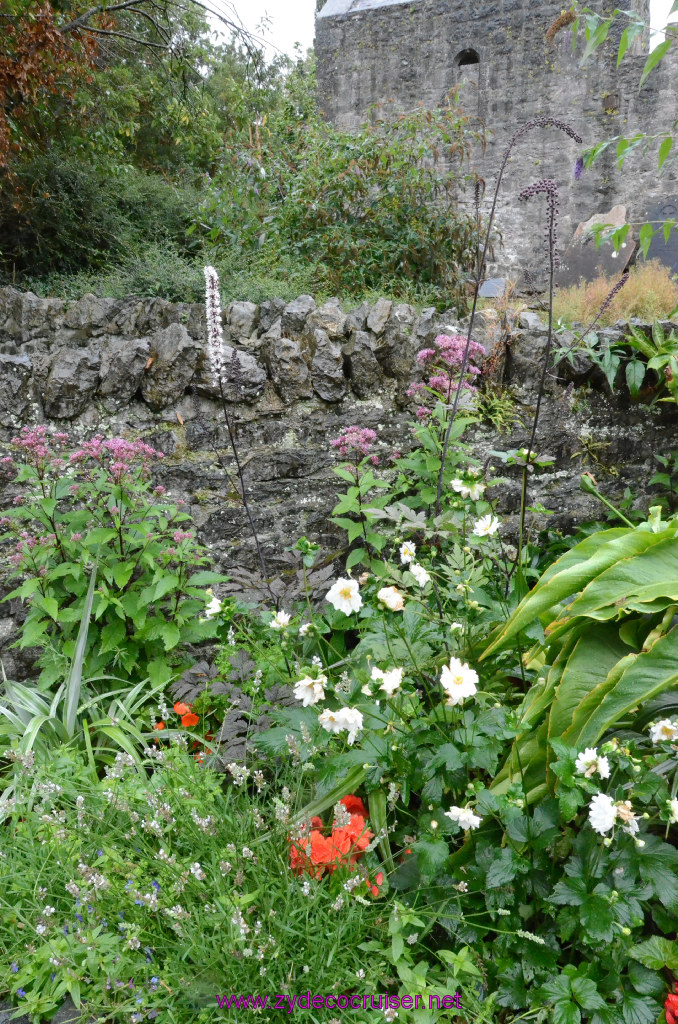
(635,375)
(170,635)
(656,953)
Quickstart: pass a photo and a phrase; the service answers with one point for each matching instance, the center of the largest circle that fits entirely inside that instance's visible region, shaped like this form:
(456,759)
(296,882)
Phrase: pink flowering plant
(96,502)
(442,364)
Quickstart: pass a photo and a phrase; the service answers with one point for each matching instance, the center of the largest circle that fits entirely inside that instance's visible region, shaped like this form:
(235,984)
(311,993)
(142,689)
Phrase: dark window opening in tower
(467,57)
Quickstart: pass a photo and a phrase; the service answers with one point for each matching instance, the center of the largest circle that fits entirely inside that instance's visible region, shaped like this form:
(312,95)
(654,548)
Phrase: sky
(292,21)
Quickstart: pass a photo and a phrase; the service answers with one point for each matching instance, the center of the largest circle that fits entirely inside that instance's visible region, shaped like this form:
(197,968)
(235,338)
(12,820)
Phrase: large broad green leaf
(592,700)
(650,674)
(603,549)
(595,655)
(652,573)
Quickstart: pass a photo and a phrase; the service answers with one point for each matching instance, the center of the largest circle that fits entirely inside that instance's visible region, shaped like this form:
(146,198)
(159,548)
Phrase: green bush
(62,215)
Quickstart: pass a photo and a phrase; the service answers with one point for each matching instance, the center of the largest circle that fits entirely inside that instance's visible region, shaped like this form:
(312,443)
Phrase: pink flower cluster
(122,452)
(356,442)
(441,363)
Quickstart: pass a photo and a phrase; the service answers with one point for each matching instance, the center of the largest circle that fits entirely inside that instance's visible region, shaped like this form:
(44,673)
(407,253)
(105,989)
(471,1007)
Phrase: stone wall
(400,53)
(306,371)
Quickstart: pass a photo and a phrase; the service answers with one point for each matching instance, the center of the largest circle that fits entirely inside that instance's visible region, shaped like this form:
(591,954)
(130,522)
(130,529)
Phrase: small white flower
(486,526)
(213,608)
(304,628)
(346,718)
(459,681)
(464,817)
(626,814)
(602,813)
(407,553)
(391,681)
(280,620)
(473,491)
(262,172)
(392,598)
(456,627)
(589,763)
(345,596)
(664,732)
(673,809)
(310,691)
(419,573)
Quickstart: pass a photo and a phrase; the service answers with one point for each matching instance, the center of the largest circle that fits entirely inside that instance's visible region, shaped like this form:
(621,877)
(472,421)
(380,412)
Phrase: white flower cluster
(390,680)
(280,620)
(349,719)
(604,812)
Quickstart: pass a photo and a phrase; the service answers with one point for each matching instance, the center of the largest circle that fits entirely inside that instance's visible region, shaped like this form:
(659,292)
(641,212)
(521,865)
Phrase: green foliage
(102,509)
(607,650)
(196,905)
(72,218)
(372,209)
(497,406)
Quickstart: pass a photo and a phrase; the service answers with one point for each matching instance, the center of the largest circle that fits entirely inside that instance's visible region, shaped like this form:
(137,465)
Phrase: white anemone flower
(486,526)
(602,813)
(419,573)
(310,691)
(213,608)
(280,620)
(344,595)
(391,681)
(459,681)
(464,817)
(664,732)
(346,718)
(392,598)
(407,552)
(673,809)
(590,762)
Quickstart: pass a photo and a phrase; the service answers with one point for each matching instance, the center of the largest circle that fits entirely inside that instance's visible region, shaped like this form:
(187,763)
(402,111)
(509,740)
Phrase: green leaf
(170,635)
(355,556)
(113,635)
(654,58)
(565,1012)
(48,505)
(74,679)
(502,869)
(165,585)
(206,579)
(585,992)
(630,33)
(635,375)
(51,606)
(397,946)
(664,150)
(122,572)
(645,236)
(431,857)
(656,953)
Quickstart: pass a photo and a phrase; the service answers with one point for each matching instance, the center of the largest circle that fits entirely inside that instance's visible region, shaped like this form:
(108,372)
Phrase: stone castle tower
(404,52)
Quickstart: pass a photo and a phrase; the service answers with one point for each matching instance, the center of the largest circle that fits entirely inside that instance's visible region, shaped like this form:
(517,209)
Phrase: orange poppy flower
(316,822)
(190,719)
(159,725)
(354,805)
(181,708)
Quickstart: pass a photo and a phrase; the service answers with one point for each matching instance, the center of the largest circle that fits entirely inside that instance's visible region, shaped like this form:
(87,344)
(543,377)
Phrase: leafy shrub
(65,216)
(371,210)
(650,293)
(96,506)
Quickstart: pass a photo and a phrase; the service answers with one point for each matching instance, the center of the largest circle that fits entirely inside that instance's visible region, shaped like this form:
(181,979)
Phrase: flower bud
(607,841)
(640,843)
(434,825)
(626,931)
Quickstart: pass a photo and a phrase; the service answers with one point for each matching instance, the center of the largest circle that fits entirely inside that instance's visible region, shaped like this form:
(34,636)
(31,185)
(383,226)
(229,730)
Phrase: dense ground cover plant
(148,893)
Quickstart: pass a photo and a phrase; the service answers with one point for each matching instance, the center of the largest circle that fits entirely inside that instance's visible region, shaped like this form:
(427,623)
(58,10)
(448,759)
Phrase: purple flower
(156,885)
(14,968)
(578,168)
(21,993)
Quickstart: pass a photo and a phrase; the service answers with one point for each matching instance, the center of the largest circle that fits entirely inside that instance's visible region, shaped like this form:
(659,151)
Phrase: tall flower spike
(215,334)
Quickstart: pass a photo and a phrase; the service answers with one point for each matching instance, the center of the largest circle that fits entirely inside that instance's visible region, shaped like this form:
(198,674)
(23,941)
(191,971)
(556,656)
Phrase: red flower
(159,725)
(316,822)
(671,1005)
(354,805)
(181,708)
(190,719)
